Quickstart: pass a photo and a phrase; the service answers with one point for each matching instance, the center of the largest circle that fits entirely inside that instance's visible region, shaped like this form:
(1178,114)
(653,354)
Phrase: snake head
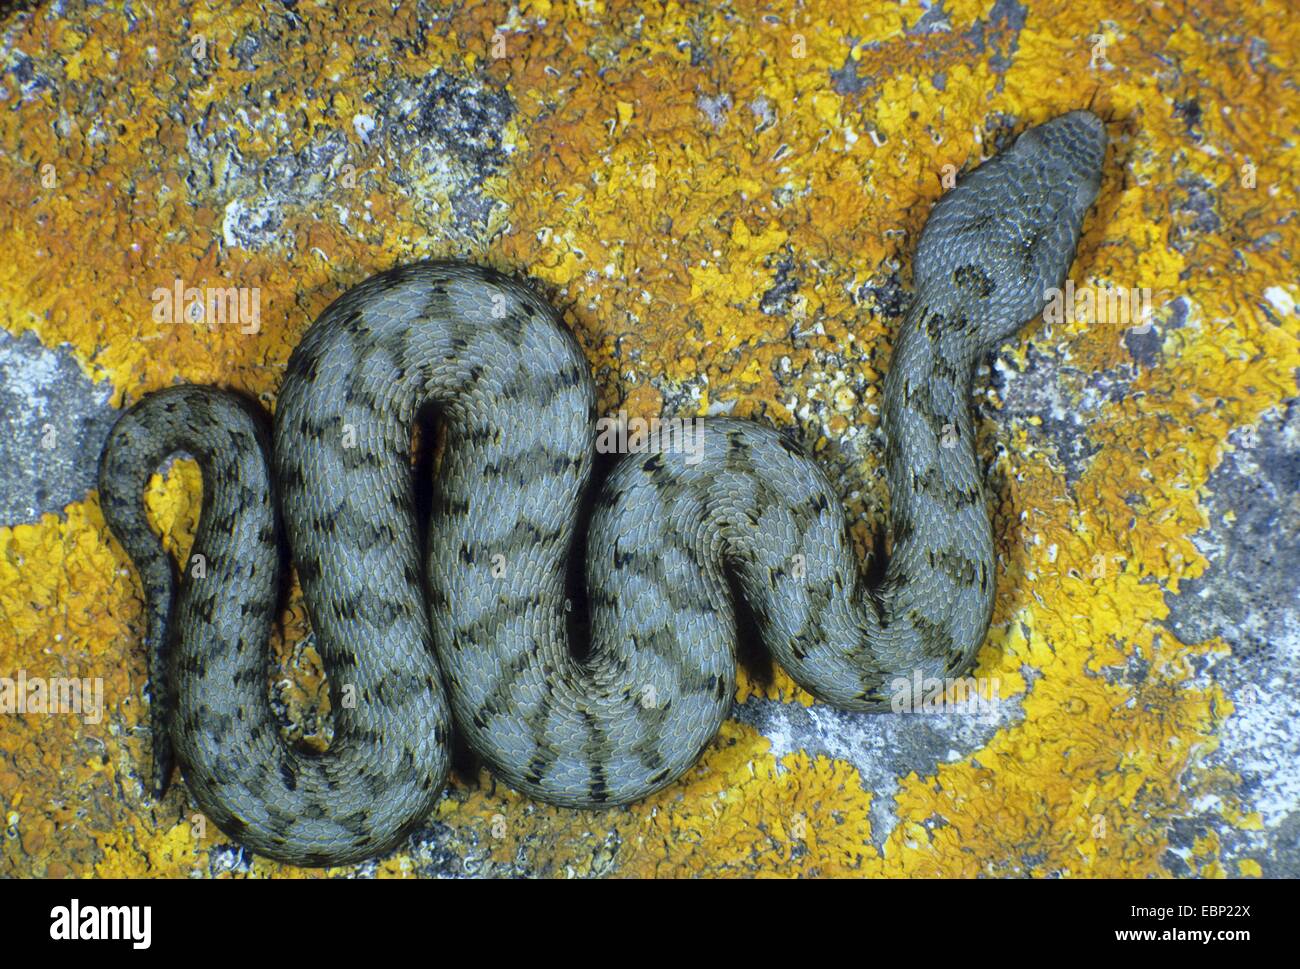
(997,246)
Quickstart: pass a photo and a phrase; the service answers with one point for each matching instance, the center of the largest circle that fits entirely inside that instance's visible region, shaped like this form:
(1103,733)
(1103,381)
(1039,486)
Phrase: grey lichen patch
(254,194)
(438,138)
(1001,32)
(777,300)
(716,109)
(446,135)
(1193,214)
(252,224)
(996,36)
(1145,341)
(1144,345)
(1065,401)
(1248,598)
(882,747)
(885,292)
(847,81)
(933,21)
(53,422)
(434,852)
(1189,109)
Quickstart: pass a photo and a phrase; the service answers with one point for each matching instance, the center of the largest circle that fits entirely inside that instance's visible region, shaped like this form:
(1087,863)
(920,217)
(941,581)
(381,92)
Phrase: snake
(456,619)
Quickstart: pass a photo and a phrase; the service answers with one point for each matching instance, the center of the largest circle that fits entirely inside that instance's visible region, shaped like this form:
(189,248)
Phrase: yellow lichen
(665,166)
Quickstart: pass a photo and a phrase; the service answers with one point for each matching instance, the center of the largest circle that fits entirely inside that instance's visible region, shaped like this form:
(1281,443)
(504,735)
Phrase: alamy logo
(57,694)
(212,306)
(1121,305)
(636,435)
(963,694)
(131,923)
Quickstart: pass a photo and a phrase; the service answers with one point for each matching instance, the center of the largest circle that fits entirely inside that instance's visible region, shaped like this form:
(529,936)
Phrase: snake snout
(1077,141)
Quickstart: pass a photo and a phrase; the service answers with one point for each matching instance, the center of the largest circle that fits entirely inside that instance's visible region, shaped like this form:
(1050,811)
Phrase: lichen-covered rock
(724,202)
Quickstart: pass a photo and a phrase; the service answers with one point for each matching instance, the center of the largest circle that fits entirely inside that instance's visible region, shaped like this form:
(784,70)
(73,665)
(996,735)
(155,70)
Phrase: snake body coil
(476,633)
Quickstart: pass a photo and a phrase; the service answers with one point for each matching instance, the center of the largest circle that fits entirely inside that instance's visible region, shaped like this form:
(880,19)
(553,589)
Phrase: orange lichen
(741,811)
(667,167)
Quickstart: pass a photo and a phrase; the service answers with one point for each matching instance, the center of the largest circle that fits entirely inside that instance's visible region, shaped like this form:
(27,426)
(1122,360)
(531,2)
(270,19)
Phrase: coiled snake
(477,632)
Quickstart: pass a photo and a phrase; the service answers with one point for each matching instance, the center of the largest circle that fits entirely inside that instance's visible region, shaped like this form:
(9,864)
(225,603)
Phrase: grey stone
(53,422)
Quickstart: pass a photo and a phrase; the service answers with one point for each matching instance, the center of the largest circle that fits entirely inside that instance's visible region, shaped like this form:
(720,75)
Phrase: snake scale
(467,625)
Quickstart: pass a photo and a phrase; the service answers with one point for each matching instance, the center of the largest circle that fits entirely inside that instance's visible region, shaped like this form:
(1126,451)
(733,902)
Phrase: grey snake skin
(476,633)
